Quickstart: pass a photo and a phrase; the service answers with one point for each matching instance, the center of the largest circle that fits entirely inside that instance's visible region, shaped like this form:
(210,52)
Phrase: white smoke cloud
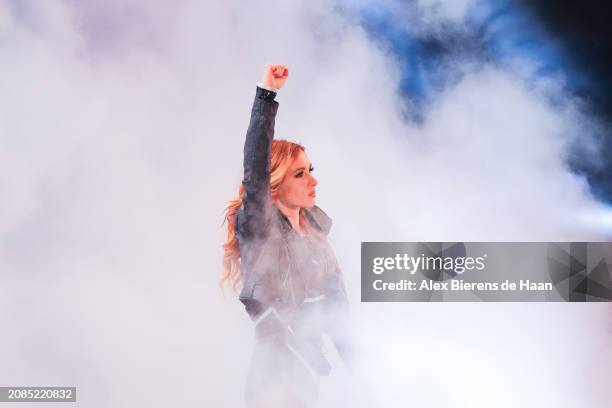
(455,11)
(122,131)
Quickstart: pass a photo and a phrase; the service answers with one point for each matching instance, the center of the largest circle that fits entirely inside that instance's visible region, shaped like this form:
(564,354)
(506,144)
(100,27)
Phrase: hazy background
(121,129)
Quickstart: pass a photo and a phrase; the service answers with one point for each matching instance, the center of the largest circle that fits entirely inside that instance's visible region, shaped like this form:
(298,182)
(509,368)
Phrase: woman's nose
(313,181)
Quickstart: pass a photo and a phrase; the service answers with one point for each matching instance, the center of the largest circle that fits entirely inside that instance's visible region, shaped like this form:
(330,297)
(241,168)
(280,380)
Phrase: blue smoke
(493,31)
(503,33)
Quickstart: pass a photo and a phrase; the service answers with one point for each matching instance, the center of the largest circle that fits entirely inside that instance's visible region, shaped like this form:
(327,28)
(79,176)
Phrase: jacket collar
(316,217)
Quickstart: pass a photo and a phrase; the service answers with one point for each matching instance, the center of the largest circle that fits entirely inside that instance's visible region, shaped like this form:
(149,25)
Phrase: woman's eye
(301,173)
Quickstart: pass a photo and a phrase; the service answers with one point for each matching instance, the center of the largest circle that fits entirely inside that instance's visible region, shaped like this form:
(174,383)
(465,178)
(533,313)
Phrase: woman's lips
(313,194)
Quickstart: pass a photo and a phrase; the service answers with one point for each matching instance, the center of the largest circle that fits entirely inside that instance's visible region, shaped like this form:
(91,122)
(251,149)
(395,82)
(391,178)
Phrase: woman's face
(298,188)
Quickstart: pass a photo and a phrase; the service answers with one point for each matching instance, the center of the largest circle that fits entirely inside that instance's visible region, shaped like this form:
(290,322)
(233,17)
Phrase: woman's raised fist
(275,76)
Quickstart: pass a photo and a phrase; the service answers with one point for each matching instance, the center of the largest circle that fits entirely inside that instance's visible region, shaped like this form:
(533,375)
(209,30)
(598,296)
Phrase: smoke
(122,131)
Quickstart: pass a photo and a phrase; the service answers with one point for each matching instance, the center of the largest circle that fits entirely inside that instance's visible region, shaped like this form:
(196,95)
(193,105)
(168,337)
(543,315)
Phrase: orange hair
(283,156)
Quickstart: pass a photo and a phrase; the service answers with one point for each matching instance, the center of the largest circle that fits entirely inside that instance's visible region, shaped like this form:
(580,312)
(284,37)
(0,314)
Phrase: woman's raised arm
(252,218)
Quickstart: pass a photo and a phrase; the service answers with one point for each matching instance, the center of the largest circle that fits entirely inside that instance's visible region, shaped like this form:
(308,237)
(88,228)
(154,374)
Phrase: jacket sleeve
(252,219)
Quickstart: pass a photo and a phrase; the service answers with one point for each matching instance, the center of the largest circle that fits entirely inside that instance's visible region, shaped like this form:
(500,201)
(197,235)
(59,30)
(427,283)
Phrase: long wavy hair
(283,155)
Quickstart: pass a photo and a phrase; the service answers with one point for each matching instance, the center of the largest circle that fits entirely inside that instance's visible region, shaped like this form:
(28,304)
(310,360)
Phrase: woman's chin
(310,203)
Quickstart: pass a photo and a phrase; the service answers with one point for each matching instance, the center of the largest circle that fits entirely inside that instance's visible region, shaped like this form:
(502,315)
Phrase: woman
(277,250)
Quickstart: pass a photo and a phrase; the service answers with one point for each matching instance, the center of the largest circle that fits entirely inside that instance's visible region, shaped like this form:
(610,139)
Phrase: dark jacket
(292,285)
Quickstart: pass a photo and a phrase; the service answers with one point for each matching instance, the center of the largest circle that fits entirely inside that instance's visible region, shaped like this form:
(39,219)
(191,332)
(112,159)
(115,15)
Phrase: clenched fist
(275,76)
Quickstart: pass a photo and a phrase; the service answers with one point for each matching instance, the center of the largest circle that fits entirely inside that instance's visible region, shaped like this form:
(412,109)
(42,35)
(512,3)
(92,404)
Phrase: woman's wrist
(267,87)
